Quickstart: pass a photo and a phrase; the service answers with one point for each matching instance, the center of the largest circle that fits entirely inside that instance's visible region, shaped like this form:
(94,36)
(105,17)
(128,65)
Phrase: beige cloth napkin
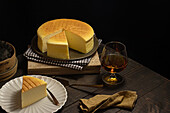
(123,99)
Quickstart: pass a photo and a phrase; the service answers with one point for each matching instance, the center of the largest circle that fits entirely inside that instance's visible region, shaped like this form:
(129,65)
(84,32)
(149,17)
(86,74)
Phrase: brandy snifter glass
(113,60)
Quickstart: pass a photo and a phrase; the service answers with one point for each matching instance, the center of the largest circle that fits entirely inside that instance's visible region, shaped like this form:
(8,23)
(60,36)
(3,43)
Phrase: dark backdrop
(140,25)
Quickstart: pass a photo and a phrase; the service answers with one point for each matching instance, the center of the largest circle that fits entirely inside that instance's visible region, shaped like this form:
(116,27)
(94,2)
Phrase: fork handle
(55,101)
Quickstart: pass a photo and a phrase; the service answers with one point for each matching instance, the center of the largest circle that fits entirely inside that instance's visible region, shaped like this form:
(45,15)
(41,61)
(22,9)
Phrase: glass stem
(113,75)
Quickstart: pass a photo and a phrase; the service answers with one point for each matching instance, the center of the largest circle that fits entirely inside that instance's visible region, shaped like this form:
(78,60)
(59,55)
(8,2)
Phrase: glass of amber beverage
(113,59)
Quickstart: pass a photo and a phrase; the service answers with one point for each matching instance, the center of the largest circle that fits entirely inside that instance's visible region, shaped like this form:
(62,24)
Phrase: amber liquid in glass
(114,63)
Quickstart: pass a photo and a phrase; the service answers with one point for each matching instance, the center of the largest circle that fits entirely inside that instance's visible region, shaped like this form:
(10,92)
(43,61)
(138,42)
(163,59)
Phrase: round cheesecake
(56,37)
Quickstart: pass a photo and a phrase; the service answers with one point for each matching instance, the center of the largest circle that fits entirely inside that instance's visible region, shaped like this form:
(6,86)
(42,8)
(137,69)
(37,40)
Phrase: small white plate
(10,97)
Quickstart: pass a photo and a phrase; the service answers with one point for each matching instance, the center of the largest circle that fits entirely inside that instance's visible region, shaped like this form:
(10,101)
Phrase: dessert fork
(55,101)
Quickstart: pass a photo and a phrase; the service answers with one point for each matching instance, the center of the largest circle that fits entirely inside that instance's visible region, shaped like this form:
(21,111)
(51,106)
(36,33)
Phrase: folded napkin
(122,99)
(75,64)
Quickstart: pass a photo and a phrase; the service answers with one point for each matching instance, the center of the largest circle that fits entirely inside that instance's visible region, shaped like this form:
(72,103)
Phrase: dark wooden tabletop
(152,89)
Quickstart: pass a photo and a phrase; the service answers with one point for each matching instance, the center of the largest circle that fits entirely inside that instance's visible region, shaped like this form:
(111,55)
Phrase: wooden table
(152,89)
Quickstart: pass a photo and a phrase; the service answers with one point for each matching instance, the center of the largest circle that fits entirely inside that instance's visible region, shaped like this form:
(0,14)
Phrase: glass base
(112,80)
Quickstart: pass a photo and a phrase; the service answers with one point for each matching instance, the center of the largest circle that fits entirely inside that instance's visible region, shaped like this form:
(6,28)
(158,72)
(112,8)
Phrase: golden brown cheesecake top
(31,82)
(60,38)
(75,26)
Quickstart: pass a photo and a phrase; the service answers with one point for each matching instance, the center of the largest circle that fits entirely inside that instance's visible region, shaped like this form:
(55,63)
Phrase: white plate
(10,97)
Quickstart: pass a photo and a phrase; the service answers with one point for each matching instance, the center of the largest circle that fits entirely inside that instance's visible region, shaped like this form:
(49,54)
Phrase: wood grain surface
(152,89)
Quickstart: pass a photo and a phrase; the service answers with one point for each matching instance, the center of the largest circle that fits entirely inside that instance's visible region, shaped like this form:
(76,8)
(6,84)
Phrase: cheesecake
(77,34)
(33,90)
(58,44)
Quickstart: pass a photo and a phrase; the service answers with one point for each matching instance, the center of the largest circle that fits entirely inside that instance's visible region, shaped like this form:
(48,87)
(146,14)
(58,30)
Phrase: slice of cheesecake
(33,90)
(42,44)
(57,46)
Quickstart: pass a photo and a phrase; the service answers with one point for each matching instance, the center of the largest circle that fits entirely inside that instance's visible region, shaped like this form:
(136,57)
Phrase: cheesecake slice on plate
(33,90)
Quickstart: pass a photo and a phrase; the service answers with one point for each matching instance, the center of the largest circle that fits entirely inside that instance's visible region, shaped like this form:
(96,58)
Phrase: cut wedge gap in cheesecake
(42,42)
(78,43)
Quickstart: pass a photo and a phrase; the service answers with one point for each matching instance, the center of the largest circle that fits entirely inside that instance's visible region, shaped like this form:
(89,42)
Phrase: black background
(141,25)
